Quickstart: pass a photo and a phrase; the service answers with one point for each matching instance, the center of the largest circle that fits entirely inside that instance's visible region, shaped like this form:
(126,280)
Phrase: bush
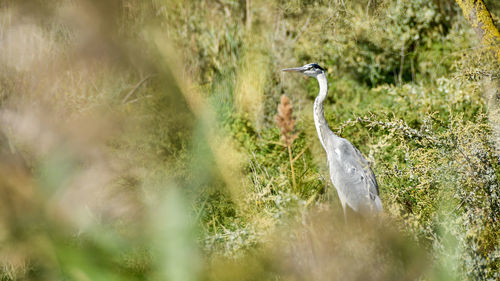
(138,141)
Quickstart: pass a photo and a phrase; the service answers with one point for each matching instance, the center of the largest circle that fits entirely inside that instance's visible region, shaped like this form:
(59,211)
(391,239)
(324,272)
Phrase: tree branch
(478,16)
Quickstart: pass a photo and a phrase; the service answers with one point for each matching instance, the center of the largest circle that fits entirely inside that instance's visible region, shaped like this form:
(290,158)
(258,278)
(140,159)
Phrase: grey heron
(350,173)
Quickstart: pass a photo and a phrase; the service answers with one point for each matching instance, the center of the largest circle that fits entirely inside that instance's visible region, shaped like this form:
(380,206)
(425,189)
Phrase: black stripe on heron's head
(315,65)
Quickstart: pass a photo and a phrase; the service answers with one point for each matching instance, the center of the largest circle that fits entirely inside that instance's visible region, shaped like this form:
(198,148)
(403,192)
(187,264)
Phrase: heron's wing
(367,171)
(356,177)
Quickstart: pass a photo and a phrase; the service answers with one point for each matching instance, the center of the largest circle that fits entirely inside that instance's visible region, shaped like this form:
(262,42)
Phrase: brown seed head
(285,120)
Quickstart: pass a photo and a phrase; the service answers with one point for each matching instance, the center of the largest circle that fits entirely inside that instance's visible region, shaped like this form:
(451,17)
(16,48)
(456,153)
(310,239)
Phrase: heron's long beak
(293,69)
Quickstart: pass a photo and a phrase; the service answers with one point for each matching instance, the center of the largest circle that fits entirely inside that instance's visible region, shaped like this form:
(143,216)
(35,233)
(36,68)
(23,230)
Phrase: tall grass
(138,141)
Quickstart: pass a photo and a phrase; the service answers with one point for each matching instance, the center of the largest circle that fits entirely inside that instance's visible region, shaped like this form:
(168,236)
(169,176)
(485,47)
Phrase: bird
(350,172)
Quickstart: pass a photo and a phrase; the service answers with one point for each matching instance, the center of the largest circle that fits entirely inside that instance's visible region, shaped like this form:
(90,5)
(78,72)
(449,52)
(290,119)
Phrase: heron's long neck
(319,112)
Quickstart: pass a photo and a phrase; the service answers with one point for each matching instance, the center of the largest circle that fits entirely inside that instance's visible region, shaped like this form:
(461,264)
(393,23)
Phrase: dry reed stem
(286,123)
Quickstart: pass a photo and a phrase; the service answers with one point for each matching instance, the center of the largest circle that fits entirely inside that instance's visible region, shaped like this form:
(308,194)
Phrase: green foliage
(126,152)
(380,45)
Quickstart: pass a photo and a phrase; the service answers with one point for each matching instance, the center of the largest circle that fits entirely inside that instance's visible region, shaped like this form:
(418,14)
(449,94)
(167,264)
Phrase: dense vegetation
(138,141)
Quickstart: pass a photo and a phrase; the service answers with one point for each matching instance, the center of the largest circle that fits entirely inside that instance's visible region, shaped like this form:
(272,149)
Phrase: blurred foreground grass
(137,141)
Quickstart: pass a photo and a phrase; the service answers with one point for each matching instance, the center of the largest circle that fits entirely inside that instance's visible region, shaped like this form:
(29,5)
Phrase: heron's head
(310,69)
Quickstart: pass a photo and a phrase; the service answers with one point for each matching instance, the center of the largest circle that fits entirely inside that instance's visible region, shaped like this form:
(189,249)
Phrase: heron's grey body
(350,173)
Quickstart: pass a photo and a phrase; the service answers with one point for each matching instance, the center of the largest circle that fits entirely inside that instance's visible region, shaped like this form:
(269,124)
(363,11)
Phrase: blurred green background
(138,141)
